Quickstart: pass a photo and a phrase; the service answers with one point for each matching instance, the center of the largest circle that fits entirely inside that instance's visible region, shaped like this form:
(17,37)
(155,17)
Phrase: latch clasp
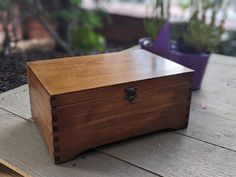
(130,94)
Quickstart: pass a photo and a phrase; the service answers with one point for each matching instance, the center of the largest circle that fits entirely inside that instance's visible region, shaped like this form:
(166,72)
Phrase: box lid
(73,74)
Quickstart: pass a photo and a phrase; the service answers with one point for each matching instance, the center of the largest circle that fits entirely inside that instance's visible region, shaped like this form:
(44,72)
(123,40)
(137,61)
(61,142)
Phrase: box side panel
(40,102)
(93,123)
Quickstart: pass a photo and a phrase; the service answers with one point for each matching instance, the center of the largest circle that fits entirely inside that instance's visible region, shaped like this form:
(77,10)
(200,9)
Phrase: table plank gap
(129,162)
(204,141)
(172,154)
(22,146)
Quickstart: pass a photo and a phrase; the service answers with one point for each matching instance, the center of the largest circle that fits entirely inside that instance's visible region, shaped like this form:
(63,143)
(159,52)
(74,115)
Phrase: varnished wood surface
(118,90)
(71,126)
(81,73)
(90,124)
(207,149)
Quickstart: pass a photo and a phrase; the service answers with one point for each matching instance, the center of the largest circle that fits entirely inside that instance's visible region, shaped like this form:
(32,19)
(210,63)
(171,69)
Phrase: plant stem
(44,22)
(6,43)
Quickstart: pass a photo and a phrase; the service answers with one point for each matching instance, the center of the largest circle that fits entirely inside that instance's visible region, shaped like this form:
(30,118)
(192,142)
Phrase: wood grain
(88,72)
(218,89)
(8,172)
(170,154)
(41,110)
(117,90)
(78,103)
(155,96)
(17,101)
(213,129)
(21,145)
(213,108)
(102,123)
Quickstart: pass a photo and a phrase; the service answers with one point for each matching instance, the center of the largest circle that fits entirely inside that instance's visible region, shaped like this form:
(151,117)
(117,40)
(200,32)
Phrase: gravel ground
(13,72)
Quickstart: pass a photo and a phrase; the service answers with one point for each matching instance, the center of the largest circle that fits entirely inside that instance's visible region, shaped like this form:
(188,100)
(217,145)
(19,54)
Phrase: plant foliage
(76,26)
(202,34)
(160,15)
(82,26)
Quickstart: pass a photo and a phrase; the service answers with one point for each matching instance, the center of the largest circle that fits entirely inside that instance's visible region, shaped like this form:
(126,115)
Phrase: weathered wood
(213,108)
(79,103)
(218,89)
(22,146)
(6,171)
(17,101)
(170,154)
(213,129)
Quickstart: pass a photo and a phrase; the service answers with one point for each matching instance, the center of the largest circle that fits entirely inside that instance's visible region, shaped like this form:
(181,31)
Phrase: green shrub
(154,23)
(197,35)
(202,35)
(76,27)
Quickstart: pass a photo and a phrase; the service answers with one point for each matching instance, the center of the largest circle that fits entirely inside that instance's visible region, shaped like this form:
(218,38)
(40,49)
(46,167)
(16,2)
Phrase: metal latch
(130,94)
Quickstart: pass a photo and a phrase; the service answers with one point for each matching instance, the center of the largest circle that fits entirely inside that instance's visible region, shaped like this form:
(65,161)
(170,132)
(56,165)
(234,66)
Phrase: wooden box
(82,102)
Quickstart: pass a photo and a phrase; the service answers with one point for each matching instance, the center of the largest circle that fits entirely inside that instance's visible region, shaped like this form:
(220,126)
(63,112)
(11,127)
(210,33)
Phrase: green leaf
(153,26)
(75,2)
(86,39)
(185,4)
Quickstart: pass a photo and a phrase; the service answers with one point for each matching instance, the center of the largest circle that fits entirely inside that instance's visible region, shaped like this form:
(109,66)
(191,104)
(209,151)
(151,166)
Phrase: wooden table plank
(7,172)
(17,101)
(214,104)
(218,90)
(212,129)
(213,108)
(21,145)
(8,167)
(176,155)
(170,154)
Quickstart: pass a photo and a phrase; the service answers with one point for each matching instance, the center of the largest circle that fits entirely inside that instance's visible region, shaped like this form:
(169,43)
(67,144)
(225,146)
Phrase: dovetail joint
(53,102)
(55,129)
(56,139)
(54,112)
(189,98)
(187,115)
(57,159)
(56,149)
(54,118)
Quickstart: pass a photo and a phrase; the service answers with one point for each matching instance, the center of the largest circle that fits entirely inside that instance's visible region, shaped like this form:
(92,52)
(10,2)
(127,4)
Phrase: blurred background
(43,29)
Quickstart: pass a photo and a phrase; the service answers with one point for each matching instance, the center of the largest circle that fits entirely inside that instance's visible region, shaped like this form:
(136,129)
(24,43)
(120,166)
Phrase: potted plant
(198,38)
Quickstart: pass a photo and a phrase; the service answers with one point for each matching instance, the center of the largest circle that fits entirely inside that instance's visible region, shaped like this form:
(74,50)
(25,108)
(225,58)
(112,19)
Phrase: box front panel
(142,110)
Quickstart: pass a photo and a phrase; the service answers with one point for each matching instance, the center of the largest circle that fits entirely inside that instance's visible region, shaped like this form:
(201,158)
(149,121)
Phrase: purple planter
(197,63)
(162,43)
(162,47)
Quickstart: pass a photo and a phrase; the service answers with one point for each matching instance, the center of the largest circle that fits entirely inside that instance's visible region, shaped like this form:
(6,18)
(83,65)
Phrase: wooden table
(206,148)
